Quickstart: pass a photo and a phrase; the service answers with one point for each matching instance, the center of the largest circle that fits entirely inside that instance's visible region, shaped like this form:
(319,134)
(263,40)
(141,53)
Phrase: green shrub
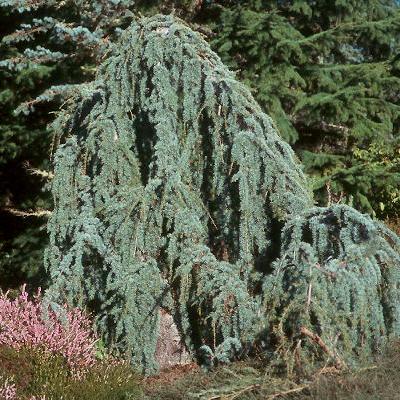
(334,290)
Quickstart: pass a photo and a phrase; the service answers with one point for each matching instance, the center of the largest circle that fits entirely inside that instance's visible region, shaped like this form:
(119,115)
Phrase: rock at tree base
(170,349)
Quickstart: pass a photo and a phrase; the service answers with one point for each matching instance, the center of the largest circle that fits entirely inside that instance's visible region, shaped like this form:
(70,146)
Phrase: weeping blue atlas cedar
(173,190)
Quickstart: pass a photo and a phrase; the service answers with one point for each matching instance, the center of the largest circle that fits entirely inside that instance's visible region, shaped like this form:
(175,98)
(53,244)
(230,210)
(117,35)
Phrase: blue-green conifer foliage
(173,189)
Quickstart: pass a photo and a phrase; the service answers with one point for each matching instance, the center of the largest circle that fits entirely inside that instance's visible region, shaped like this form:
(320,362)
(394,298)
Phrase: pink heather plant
(22,325)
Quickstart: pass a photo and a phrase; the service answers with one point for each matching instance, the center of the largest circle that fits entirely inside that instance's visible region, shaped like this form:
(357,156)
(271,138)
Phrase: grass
(247,381)
(375,382)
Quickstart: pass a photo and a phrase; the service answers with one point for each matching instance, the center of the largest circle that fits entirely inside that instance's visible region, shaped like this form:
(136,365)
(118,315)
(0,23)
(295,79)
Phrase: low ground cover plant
(49,355)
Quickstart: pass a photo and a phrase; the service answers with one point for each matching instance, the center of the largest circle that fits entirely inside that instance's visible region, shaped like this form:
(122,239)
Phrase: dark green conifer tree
(172,189)
(328,73)
(23,139)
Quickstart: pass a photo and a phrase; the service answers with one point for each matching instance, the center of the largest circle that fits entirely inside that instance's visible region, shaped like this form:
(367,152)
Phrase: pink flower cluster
(8,392)
(22,325)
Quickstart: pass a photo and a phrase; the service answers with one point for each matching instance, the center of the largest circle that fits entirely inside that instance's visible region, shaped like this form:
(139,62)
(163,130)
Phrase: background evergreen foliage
(173,190)
(22,138)
(326,71)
